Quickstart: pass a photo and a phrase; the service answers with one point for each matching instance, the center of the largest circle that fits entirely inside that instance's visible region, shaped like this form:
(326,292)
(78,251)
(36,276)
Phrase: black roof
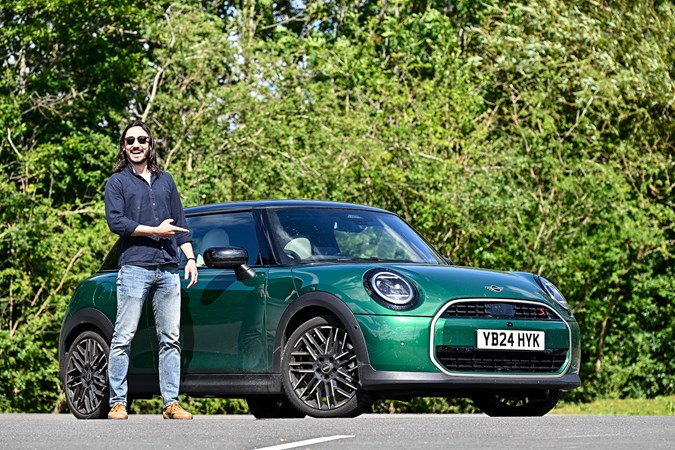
(261,204)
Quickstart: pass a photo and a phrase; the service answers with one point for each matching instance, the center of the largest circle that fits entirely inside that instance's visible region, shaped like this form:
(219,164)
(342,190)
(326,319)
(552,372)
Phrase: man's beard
(142,161)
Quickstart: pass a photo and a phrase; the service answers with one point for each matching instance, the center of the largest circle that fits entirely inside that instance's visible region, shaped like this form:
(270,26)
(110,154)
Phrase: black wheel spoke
(100,362)
(312,386)
(312,346)
(78,360)
(330,342)
(77,395)
(330,394)
(346,381)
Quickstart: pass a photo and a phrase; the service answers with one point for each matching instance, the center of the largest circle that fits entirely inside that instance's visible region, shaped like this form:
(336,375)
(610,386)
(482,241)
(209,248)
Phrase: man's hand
(165,229)
(192,272)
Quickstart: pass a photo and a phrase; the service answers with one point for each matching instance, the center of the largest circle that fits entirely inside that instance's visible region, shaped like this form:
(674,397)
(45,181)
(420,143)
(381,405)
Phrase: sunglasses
(141,140)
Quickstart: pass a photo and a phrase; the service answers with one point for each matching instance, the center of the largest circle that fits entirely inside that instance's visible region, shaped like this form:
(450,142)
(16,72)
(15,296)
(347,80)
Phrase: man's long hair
(122,160)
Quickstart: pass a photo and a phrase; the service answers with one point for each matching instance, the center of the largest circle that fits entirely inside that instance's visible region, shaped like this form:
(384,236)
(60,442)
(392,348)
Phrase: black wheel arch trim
(331,303)
(84,319)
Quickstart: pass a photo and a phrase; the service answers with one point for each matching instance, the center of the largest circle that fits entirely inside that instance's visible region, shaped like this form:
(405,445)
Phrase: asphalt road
(63,431)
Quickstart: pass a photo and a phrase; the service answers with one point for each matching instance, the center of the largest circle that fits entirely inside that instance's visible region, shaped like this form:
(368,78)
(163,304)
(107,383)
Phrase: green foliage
(657,406)
(530,136)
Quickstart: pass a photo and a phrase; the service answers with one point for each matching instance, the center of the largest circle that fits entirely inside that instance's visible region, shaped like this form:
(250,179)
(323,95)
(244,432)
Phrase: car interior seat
(300,246)
(214,238)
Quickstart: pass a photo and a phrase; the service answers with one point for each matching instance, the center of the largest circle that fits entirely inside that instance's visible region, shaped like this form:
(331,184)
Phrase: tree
(529,136)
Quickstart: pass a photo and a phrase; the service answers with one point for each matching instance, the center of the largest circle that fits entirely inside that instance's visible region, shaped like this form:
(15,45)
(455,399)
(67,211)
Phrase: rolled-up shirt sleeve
(178,215)
(114,209)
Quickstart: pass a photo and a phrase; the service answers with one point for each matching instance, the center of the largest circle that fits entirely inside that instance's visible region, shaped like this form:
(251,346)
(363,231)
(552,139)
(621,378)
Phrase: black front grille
(500,310)
(469,359)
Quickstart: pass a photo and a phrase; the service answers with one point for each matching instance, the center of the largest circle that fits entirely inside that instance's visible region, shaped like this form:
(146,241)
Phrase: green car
(320,308)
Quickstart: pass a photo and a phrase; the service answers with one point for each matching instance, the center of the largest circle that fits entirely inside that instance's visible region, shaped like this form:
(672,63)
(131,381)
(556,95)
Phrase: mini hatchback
(320,308)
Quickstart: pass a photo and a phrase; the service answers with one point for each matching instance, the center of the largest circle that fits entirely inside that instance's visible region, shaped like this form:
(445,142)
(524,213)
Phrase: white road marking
(307,442)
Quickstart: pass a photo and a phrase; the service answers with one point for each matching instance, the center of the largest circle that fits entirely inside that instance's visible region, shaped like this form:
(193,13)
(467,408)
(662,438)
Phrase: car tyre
(272,407)
(86,378)
(517,405)
(320,371)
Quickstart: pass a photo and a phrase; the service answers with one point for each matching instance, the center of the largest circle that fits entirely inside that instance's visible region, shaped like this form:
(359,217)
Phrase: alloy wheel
(323,369)
(86,376)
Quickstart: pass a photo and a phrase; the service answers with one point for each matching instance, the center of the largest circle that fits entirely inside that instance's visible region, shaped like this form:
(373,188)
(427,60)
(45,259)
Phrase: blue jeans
(134,285)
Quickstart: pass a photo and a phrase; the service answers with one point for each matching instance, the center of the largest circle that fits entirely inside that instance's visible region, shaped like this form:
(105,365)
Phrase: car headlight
(553,292)
(390,289)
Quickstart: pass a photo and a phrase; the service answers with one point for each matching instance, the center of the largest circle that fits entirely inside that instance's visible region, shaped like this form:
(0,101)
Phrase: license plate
(510,340)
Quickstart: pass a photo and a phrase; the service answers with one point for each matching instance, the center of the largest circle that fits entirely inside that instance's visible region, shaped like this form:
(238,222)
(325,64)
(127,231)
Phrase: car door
(223,319)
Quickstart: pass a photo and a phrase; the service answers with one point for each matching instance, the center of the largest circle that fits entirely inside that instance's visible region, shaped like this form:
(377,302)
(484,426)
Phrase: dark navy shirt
(130,201)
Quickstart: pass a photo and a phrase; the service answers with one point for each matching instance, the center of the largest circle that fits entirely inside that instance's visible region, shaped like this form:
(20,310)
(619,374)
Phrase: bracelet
(193,259)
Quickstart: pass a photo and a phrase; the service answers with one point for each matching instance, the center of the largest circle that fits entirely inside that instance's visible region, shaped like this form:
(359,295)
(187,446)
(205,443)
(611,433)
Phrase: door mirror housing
(235,258)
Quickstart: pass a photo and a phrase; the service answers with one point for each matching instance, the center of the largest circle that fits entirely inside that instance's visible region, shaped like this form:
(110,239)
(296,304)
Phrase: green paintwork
(223,323)
(436,285)
(399,343)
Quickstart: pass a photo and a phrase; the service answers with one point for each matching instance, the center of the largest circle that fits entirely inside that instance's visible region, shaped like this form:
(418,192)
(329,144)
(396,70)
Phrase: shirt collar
(130,169)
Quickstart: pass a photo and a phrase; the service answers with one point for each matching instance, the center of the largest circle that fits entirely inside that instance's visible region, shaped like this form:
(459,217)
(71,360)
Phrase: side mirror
(229,258)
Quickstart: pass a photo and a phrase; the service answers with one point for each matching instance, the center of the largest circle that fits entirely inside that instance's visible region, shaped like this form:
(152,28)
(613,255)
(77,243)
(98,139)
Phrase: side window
(220,230)
(304,234)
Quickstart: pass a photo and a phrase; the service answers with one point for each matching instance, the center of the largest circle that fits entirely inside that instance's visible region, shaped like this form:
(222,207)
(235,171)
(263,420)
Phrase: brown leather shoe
(175,411)
(118,412)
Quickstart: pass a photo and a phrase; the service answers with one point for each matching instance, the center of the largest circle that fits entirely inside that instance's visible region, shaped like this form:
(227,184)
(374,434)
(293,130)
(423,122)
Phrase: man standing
(143,207)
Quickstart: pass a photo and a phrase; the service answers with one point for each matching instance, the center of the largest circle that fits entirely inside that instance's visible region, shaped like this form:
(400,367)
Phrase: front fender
(313,304)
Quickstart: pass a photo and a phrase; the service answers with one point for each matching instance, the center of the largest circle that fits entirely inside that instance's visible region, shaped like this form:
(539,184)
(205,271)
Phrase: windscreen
(304,235)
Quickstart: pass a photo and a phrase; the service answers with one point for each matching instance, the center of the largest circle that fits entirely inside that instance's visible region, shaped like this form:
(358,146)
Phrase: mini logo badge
(494,288)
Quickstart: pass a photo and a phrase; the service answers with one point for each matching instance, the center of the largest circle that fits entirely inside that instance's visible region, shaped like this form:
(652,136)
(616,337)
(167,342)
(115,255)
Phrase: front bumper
(447,346)
(431,382)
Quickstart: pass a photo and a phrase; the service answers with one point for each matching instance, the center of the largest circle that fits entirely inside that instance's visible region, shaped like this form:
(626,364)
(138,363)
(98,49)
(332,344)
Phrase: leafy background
(533,136)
